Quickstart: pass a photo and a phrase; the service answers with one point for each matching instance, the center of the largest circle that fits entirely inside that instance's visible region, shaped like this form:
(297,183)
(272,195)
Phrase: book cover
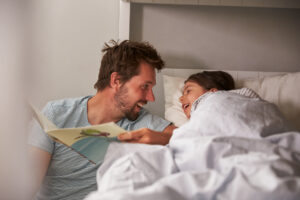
(90,141)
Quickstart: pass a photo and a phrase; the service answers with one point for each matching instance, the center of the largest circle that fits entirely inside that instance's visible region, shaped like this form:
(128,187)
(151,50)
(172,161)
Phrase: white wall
(216,37)
(14,181)
(67,38)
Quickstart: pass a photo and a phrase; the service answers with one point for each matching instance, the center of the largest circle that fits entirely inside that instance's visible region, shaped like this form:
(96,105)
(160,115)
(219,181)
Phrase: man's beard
(122,102)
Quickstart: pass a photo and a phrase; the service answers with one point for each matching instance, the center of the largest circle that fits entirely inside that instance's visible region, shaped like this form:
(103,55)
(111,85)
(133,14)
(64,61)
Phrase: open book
(90,141)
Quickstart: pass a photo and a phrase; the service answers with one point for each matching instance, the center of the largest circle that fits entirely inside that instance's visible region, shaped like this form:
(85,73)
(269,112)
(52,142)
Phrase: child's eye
(185,92)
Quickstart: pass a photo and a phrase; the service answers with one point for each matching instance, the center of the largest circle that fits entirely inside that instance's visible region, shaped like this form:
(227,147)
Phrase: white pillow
(281,90)
(173,90)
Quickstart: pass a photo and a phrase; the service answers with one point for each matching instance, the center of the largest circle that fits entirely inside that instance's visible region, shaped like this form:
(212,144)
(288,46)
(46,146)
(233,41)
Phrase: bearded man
(124,86)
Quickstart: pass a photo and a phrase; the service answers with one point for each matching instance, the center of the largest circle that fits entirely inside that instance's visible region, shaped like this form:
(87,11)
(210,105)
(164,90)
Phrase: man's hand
(147,136)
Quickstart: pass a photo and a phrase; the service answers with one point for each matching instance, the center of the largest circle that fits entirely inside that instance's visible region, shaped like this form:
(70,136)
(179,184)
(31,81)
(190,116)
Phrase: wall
(15,179)
(214,37)
(67,38)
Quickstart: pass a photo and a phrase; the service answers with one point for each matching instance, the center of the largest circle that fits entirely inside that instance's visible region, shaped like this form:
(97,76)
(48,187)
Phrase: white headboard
(158,108)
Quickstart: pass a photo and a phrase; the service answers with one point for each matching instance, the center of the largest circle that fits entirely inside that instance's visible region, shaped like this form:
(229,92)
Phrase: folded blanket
(225,114)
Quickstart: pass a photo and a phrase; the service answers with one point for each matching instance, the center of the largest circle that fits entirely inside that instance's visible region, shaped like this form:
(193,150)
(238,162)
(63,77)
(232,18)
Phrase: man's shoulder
(65,104)
(60,111)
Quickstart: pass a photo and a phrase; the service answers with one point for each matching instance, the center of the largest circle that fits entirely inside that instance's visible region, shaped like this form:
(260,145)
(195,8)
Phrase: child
(200,83)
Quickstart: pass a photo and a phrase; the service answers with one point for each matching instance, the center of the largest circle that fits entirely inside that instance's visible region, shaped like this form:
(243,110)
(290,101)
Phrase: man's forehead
(144,79)
(150,81)
(149,78)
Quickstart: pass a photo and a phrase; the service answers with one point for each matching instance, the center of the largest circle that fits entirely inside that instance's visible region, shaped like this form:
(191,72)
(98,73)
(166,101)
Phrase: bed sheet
(232,148)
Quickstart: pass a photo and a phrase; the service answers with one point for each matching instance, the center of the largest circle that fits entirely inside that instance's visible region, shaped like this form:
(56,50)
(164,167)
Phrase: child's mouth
(185,106)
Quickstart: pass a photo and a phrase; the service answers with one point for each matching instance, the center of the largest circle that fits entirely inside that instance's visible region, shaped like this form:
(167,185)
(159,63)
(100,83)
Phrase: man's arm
(169,129)
(39,162)
(148,136)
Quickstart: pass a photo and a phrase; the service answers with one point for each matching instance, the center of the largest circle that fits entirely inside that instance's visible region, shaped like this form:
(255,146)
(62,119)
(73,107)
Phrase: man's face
(136,92)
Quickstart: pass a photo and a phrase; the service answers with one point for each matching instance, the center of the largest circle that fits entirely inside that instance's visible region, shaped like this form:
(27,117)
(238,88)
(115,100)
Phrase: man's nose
(150,96)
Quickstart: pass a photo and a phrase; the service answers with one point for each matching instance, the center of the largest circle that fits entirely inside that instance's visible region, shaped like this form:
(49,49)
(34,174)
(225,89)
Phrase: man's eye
(145,87)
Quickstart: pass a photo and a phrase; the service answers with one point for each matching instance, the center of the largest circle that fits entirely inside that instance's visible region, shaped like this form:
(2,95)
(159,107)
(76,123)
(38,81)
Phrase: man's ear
(115,82)
(213,90)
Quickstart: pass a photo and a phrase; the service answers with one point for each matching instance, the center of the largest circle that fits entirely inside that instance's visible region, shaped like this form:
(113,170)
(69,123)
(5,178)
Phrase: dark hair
(213,79)
(125,59)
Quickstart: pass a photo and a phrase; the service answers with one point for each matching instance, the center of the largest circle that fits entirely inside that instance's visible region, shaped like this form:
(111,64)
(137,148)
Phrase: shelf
(239,3)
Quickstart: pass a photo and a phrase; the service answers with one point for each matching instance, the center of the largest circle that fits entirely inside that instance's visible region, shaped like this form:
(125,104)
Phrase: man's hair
(213,79)
(125,59)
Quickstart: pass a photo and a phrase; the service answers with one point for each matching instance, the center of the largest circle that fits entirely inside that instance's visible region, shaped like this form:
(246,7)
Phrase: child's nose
(181,99)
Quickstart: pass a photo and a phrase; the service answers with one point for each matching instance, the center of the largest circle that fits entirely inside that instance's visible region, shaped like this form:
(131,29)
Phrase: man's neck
(101,108)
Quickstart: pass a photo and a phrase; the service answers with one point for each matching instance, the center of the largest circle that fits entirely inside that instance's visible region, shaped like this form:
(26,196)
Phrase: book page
(45,123)
(90,141)
(71,135)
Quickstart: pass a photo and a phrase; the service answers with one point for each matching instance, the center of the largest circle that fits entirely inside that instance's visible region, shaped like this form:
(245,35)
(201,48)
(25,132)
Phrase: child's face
(191,92)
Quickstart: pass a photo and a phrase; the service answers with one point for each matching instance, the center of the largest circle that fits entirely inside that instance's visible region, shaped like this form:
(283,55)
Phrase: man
(125,82)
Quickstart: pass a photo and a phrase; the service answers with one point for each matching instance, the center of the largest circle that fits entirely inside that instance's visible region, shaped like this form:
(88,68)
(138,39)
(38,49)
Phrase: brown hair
(125,59)
(213,79)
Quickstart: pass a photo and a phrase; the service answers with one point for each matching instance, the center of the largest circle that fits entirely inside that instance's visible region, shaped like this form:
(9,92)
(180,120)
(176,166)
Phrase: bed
(223,164)
(227,163)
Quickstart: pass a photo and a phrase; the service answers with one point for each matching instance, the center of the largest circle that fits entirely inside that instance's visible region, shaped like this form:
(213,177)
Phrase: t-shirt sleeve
(150,121)
(37,137)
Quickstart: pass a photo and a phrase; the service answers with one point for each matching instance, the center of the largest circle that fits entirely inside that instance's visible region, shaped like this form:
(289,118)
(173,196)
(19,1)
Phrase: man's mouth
(141,104)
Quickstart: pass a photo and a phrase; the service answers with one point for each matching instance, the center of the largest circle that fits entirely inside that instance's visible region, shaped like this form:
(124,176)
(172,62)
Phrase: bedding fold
(233,147)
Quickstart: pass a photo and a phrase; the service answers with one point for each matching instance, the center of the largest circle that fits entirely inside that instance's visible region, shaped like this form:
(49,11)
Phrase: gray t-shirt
(71,176)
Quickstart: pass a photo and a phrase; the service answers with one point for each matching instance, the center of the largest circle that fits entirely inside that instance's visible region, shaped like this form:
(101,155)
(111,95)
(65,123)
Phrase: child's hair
(213,79)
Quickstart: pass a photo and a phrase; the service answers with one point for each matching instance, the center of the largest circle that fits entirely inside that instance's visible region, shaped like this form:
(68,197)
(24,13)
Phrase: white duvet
(233,147)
